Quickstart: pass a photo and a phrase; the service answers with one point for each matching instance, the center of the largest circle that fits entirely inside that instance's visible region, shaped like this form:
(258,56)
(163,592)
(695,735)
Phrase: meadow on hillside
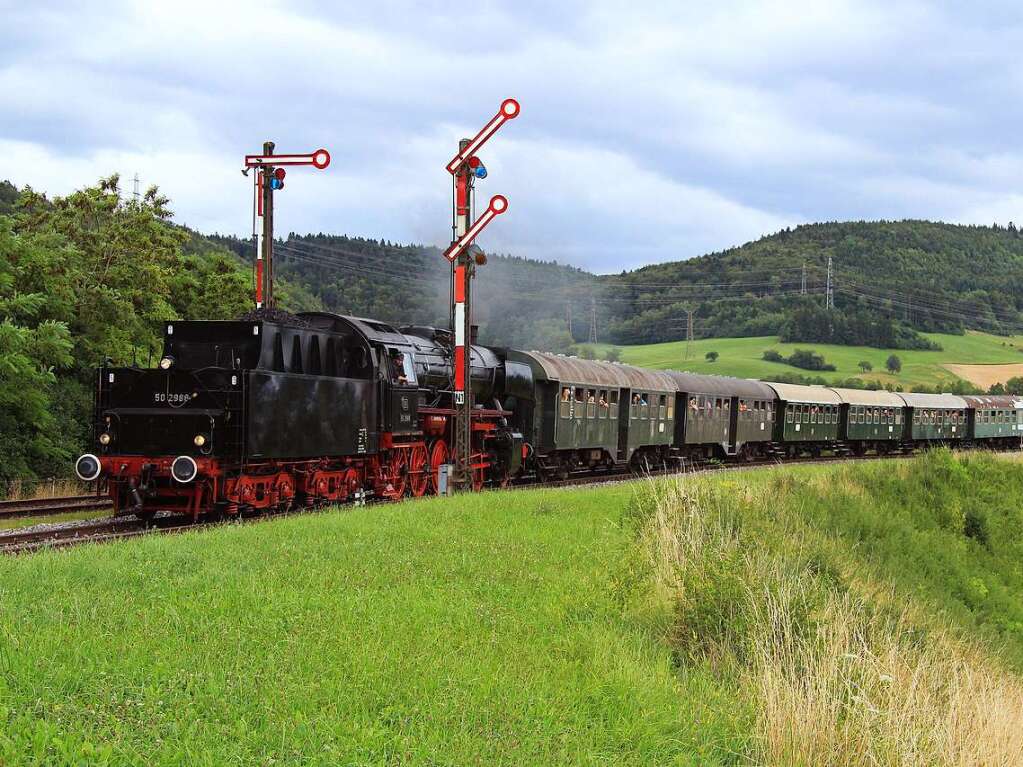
(743,357)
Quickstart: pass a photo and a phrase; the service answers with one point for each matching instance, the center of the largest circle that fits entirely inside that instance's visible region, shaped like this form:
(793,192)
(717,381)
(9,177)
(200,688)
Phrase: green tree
(894,364)
(711,356)
(32,348)
(865,367)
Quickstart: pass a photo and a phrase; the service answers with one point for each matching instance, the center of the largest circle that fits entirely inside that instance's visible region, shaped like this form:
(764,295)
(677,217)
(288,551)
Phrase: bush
(614,354)
(808,360)
(772,355)
(711,356)
(894,364)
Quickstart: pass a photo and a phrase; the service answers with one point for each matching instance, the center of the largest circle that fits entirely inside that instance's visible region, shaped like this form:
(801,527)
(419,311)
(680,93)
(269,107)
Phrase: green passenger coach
(935,417)
(808,417)
(871,420)
(593,414)
(995,418)
(722,416)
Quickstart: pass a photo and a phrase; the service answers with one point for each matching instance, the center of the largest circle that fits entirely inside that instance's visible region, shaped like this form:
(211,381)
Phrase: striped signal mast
(465,168)
(268,178)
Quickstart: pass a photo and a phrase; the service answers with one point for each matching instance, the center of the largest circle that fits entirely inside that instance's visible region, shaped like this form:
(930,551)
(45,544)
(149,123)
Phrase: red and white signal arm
(509,111)
(498,205)
(319,159)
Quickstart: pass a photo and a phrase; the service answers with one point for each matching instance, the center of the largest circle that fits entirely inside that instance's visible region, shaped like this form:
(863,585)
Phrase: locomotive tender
(272,412)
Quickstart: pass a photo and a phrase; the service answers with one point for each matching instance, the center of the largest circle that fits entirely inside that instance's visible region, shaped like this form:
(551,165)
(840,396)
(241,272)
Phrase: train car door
(733,427)
(624,416)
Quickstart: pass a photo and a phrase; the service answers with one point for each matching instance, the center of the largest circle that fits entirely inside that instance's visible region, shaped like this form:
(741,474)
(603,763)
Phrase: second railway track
(42,507)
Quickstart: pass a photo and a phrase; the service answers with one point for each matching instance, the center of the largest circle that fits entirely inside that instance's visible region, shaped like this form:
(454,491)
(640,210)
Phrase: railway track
(62,535)
(44,507)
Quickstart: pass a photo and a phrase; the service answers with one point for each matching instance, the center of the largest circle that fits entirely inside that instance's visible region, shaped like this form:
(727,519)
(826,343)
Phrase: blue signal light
(480,171)
(276,183)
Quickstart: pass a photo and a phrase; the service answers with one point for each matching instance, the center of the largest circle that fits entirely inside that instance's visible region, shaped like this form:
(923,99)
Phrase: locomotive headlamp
(200,440)
(166,362)
(106,438)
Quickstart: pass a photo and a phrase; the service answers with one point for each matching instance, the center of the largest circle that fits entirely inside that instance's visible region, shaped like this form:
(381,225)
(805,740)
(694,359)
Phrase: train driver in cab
(398,367)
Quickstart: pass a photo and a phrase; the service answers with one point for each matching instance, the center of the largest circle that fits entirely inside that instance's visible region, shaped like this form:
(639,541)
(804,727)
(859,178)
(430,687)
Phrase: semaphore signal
(269,178)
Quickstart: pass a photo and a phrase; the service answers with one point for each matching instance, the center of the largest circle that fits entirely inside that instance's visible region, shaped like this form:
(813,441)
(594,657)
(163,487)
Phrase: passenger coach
(870,420)
(590,414)
(720,416)
(808,420)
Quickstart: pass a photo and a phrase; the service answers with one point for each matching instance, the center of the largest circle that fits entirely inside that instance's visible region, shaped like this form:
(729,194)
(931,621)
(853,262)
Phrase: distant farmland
(743,357)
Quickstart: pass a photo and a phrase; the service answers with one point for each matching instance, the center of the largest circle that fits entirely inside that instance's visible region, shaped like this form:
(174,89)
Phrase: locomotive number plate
(171,399)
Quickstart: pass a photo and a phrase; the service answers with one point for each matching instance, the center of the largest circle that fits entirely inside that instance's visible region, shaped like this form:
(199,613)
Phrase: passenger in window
(591,400)
(566,394)
(693,404)
(635,399)
(603,402)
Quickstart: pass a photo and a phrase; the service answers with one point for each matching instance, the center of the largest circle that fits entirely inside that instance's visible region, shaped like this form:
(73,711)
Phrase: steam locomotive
(272,412)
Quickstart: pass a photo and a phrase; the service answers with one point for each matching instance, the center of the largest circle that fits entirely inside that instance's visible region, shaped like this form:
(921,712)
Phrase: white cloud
(649,132)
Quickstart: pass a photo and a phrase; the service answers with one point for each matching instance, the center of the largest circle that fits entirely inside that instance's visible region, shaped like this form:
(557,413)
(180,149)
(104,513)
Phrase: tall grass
(840,666)
(33,489)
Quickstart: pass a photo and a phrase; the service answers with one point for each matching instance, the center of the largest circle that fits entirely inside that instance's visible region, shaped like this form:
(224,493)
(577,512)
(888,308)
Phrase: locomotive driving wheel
(349,483)
(399,473)
(438,457)
(418,475)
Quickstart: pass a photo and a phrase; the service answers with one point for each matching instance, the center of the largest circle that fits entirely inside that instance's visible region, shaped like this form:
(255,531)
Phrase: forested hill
(888,276)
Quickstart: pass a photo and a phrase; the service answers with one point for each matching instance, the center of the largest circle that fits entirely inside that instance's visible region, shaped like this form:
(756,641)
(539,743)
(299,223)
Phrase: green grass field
(742,357)
(629,624)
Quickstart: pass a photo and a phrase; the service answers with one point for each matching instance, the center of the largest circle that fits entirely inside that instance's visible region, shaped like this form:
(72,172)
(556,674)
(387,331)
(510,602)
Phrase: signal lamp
(280,173)
(105,439)
(166,362)
(480,171)
(276,183)
(200,440)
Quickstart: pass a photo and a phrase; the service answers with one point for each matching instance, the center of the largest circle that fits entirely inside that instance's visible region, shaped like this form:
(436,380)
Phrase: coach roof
(692,383)
(814,394)
(573,370)
(879,398)
(941,401)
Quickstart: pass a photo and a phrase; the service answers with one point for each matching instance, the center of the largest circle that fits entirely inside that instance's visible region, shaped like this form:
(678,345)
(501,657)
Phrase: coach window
(806,414)
(602,405)
(612,404)
(898,417)
(671,407)
(662,406)
(580,402)
(591,403)
(566,402)
(788,414)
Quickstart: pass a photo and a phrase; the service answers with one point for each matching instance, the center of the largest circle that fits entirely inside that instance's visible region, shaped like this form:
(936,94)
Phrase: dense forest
(889,280)
(93,275)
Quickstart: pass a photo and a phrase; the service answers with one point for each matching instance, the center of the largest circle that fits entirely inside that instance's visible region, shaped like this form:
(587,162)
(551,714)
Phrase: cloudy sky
(648,132)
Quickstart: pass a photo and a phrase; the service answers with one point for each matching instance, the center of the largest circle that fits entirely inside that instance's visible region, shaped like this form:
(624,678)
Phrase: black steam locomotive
(265,414)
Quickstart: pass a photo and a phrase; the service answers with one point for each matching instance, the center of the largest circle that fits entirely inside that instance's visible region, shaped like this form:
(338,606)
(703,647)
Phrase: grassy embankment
(742,357)
(796,615)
